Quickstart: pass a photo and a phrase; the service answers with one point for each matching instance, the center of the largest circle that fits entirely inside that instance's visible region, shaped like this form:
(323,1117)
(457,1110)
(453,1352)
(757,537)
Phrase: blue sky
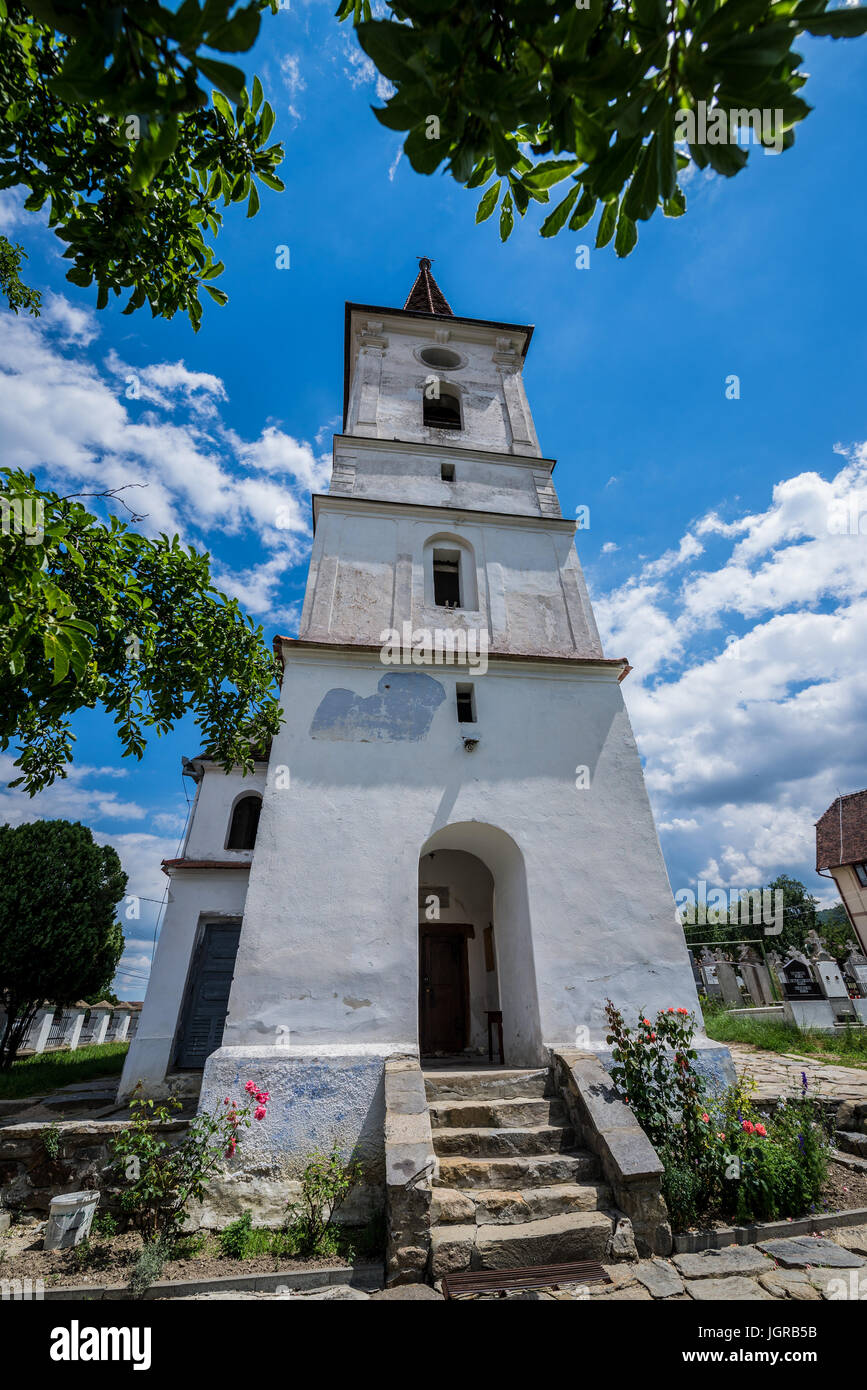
(713,555)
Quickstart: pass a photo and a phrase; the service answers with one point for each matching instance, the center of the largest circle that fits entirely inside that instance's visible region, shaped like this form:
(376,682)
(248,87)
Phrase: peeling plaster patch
(355,1003)
(402,709)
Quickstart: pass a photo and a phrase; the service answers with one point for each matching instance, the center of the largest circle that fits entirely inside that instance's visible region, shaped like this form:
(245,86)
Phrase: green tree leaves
(95,613)
(111,112)
(58,936)
(529,94)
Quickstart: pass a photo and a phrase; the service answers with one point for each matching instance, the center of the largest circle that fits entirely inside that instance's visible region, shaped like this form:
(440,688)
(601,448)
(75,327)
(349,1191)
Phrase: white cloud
(73,323)
(12,213)
(290,71)
(394,163)
(747,744)
(71,798)
(169,384)
(81,431)
(609,547)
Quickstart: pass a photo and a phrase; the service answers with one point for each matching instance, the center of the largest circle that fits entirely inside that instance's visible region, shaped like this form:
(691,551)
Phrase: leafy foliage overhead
(96,613)
(597,85)
(104,116)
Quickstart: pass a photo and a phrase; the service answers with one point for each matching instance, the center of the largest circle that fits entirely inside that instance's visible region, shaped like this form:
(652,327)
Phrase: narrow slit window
(447,580)
(466,700)
(447,472)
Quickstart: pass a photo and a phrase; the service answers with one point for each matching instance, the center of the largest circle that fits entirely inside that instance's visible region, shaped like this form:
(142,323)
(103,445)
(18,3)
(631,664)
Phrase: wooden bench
(473,1281)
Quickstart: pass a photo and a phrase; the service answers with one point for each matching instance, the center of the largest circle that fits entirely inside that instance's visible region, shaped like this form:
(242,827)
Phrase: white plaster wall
(217,794)
(388,378)
(319,1097)
(195,897)
(329,944)
(367,573)
(855,898)
(390,472)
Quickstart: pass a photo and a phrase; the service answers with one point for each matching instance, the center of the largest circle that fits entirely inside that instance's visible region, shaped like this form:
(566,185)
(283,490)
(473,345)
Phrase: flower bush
(325,1185)
(162,1177)
(722,1157)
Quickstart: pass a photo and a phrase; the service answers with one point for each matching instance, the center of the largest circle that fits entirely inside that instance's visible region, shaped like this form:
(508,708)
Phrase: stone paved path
(802,1269)
(780,1074)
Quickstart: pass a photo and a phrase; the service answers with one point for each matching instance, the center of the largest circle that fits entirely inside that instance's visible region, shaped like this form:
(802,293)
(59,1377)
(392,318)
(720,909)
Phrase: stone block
(790,1283)
(724,1290)
(811,1250)
(557,1240)
(716,1264)
(451,1249)
(659,1277)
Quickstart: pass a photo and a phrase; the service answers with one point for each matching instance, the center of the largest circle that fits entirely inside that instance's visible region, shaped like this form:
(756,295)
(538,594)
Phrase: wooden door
(444,992)
(207,1004)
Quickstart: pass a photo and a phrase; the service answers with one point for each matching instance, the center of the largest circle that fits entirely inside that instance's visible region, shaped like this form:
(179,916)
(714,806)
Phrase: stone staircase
(514,1186)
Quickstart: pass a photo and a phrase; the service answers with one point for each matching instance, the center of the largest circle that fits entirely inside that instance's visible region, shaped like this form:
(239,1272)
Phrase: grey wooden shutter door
(208,1000)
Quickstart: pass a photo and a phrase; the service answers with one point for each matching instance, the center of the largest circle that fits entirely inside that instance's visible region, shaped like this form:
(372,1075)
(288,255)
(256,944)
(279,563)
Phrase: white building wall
(329,947)
(370,570)
(196,896)
(216,796)
(388,379)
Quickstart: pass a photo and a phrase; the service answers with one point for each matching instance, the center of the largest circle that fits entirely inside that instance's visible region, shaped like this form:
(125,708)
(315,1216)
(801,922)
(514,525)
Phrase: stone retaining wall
(30,1176)
(410,1164)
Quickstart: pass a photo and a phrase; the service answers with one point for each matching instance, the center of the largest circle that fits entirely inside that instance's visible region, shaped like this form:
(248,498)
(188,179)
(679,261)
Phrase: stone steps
(554,1240)
(503,1143)
(512,1187)
(495,1114)
(506,1207)
(517,1173)
(487,1085)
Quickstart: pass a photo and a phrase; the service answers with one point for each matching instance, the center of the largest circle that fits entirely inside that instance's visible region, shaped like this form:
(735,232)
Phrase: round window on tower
(440,357)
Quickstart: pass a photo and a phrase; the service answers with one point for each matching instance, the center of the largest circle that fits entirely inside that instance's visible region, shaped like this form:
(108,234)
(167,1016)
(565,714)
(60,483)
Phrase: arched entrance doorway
(475,946)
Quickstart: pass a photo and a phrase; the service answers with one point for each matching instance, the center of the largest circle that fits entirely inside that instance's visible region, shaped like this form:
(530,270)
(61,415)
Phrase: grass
(848,1049)
(48,1071)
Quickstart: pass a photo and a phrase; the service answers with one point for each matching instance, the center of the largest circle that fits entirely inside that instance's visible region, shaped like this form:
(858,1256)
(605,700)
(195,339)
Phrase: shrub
(105,1224)
(721,1157)
(149,1266)
(235,1237)
(163,1177)
(324,1188)
(653,1072)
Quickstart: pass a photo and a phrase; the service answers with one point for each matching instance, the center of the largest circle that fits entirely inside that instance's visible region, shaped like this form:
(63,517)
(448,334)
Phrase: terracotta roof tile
(841,833)
(426,297)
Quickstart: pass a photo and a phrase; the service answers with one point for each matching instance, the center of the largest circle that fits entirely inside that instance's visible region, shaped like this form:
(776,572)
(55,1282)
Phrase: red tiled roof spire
(426,297)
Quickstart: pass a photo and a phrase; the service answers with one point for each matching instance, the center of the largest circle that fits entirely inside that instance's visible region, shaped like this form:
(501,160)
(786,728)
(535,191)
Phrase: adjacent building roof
(426,297)
(841,833)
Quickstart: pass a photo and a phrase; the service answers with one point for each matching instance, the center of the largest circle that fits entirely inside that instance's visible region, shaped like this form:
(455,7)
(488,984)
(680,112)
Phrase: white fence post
(75,1021)
(40,1028)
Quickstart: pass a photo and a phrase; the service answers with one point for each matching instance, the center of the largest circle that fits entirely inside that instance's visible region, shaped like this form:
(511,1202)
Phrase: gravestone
(799,982)
(696,970)
(756,977)
(834,987)
(728,983)
(856,966)
(709,975)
